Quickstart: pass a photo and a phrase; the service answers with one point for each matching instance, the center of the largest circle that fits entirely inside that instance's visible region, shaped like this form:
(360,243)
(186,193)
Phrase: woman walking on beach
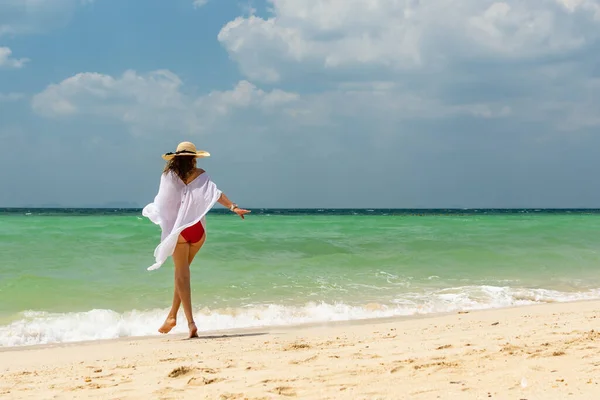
(185,195)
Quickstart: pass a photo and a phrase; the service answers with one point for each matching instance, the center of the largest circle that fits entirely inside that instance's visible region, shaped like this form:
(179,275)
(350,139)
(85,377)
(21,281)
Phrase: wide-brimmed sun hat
(186,149)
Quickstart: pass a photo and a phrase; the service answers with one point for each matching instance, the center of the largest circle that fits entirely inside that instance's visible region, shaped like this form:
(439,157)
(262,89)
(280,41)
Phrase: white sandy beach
(538,352)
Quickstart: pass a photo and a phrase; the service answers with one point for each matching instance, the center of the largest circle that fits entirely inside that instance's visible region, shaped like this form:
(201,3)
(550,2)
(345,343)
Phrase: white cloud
(404,34)
(591,6)
(424,56)
(152,101)
(245,94)
(199,3)
(157,101)
(7,61)
(527,30)
(82,92)
(485,58)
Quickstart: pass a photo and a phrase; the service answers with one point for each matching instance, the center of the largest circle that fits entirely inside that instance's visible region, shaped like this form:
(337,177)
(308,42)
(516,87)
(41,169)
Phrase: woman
(185,195)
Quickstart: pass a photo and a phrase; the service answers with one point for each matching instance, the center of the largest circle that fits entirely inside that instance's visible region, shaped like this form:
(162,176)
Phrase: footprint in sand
(180,371)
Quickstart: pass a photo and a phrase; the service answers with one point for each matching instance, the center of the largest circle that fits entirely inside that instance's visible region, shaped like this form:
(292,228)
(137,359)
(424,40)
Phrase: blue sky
(303,103)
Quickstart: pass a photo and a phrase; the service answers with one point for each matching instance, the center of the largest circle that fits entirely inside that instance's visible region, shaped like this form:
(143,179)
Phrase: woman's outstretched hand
(241,212)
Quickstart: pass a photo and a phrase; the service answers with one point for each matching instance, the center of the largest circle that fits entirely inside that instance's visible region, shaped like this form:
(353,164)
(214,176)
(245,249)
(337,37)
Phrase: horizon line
(309,208)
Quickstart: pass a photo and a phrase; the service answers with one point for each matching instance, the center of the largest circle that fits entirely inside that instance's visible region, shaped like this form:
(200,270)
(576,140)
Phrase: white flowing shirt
(178,206)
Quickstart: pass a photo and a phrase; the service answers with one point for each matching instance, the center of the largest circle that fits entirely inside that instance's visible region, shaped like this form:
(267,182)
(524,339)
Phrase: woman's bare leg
(171,320)
(195,248)
(182,282)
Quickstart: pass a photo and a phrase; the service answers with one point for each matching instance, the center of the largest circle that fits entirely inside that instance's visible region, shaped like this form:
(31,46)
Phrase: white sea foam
(34,327)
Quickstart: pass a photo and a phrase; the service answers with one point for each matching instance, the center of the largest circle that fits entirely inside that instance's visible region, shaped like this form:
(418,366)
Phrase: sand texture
(539,352)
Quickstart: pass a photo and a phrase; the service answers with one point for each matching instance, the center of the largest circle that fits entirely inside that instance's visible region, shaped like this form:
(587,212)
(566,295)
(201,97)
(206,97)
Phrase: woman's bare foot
(193,330)
(169,324)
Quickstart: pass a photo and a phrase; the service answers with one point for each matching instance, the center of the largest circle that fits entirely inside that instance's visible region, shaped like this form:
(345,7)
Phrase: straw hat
(186,149)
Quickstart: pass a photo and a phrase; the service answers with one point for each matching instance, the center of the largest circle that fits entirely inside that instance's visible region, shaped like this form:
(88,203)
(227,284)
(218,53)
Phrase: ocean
(70,275)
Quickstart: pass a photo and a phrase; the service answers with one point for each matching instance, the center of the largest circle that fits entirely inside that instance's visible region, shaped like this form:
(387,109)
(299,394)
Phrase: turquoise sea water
(69,275)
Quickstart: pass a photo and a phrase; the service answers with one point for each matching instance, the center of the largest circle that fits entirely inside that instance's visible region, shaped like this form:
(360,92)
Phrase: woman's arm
(225,202)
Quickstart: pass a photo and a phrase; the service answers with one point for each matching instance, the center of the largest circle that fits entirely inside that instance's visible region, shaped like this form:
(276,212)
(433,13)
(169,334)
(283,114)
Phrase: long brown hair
(181,165)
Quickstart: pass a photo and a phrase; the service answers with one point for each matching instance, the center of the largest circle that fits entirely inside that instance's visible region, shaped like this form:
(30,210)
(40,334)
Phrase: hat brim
(198,154)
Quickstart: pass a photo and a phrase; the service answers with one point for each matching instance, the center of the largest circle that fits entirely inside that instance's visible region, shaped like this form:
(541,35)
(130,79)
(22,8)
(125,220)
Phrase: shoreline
(549,351)
(291,327)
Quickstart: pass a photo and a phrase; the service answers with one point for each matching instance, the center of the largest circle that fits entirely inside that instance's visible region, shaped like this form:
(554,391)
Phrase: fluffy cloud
(199,3)
(153,101)
(404,34)
(96,93)
(157,100)
(435,60)
(530,60)
(7,61)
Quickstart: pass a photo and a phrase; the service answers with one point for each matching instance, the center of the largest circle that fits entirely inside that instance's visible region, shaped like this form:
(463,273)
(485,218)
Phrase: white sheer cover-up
(178,206)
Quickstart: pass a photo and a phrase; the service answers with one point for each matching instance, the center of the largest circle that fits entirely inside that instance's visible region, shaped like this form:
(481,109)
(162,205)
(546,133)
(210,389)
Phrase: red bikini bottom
(194,233)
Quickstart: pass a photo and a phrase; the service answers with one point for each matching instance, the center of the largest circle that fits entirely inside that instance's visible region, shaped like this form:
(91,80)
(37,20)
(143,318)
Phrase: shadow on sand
(228,336)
